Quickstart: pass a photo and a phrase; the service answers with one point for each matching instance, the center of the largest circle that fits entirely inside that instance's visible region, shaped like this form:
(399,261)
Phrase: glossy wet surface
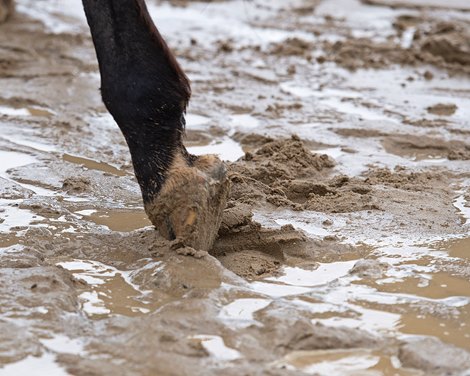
(378,284)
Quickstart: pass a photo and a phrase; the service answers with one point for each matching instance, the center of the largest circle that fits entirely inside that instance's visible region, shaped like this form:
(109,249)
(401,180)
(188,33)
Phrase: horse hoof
(190,204)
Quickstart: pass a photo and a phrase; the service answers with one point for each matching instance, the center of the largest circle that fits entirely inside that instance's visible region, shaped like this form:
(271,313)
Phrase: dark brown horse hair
(144,13)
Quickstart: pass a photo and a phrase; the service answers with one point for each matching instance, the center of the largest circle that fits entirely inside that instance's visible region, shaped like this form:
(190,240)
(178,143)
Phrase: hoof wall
(189,207)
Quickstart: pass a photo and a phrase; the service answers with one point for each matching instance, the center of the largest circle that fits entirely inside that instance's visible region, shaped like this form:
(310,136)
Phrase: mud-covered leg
(6,9)
(147,92)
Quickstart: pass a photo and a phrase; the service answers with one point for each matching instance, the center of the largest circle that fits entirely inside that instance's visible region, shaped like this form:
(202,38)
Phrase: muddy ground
(344,248)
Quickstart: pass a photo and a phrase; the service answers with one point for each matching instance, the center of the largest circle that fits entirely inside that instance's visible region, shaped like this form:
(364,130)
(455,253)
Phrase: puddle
(28,111)
(28,143)
(455,330)
(334,153)
(94,165)
(38,111)
(8,239)
(353,110)
(11,216)
(11,111)
(275,290)
(407,37)
(309,222)
(12,159)
(401,304)
(438,286)
(244,122)
(117,220)
(371,320)
(459,248)
(227,149)
(298,91)
(463,206)
(322,275)
(240,312)
(44,365)
(110,291)
(307,226)
(216,347)
(357,362)
(194,121)
(215,20)
(53,16)
(62,344)
(93,303)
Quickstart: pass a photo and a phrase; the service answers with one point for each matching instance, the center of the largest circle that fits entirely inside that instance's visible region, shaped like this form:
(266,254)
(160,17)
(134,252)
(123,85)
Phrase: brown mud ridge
(285,174)
(268,176)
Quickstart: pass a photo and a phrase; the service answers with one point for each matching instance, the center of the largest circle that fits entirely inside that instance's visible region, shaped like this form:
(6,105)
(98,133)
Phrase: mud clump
(292,46)
(443,44)
(429,123)
(225,46)
(284,173)
(403,179)
(251,264)
(12,191)
(449,41)
(360,53)
(43,207)
(351,196)
(74,185)
(283,159)
(304,338)
(300,334)
(442,109)
(250,250)
(369,268)
(358,132)
(340,194)
(459,155)
(19,338)
(266,175)
(251,141)
(178,246)
(434,357)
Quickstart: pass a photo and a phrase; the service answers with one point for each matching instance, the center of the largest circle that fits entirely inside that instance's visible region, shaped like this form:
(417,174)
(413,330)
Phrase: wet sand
(344,248)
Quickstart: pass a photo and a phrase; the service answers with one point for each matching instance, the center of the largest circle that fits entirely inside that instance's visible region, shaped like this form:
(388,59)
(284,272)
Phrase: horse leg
(146,91)
(6,9)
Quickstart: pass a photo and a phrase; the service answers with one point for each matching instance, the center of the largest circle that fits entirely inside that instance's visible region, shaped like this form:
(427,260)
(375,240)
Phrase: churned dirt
(344,245)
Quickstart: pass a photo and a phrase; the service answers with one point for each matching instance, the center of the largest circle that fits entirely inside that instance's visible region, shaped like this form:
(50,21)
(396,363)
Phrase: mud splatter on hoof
(190,204)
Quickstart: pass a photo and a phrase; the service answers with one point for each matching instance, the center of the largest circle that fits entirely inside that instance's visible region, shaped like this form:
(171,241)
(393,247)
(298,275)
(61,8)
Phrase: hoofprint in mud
(344,249)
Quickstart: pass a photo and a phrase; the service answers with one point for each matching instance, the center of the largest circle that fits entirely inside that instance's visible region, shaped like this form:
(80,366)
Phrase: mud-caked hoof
(190,204)
(6,9)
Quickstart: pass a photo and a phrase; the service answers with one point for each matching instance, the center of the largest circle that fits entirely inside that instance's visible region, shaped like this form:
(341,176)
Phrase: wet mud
(344,246)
